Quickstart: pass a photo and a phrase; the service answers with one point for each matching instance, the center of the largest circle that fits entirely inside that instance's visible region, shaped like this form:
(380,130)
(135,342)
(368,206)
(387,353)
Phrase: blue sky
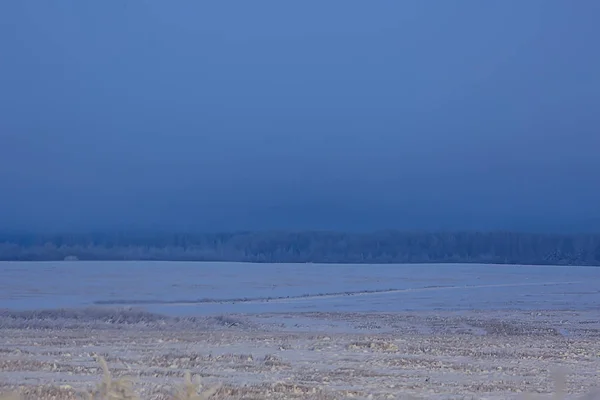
(346,115)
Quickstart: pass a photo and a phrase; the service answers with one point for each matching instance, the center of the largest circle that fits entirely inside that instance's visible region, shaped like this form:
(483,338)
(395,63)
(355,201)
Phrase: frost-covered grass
(123,388)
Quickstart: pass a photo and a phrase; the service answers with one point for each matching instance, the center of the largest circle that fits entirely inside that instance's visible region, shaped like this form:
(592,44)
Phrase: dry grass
(123,389)
(10,396)
(111,389)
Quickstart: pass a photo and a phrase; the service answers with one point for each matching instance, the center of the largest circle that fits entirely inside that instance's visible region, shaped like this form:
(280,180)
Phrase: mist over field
(348,116)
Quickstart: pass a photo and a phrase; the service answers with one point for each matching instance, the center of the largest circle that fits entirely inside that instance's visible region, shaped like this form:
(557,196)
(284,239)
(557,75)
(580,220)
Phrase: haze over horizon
(340,115)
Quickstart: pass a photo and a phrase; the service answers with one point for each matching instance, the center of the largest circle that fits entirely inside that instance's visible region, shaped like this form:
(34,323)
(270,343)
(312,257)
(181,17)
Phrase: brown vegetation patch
(376,345)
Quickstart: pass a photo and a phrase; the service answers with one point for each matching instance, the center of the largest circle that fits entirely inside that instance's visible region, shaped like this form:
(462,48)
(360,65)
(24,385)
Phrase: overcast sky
(337,114)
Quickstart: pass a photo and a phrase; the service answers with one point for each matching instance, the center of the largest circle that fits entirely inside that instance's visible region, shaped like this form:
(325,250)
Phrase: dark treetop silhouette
(327,247)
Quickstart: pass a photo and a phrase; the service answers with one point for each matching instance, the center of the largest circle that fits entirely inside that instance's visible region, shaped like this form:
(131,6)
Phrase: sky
(339,115)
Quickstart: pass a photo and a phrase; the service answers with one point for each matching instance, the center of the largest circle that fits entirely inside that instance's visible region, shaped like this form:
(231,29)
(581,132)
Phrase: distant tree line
(318,247)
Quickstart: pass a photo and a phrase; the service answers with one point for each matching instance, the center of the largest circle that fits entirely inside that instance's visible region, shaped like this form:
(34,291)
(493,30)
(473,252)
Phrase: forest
(304,247)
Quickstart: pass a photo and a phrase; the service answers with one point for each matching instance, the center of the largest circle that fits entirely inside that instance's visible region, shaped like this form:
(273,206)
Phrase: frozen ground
(215,288)
(493,355)
(309,331)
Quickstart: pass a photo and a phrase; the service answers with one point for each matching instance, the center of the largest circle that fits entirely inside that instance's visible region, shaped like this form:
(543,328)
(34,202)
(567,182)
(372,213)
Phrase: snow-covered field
(215,288)
(300,331)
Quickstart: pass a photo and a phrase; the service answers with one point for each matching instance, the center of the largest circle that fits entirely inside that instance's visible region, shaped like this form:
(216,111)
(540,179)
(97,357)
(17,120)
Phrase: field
(300,331)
